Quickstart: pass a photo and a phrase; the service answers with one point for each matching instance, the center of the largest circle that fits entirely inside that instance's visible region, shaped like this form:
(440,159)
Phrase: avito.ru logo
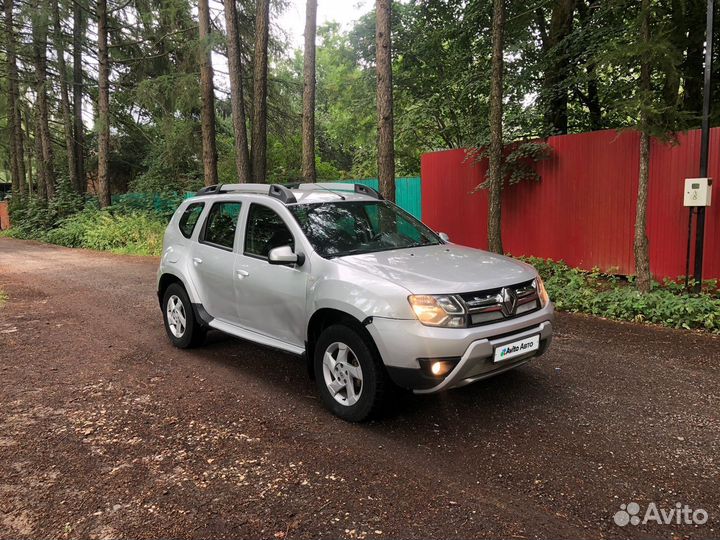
(679,515)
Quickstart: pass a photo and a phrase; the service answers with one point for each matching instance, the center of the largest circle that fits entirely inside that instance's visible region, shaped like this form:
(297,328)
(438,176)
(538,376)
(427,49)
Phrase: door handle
(197,260)
(242,274)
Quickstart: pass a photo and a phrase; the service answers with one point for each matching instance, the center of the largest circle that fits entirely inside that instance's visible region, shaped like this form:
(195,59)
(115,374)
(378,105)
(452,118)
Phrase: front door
(271,298)
(213,260)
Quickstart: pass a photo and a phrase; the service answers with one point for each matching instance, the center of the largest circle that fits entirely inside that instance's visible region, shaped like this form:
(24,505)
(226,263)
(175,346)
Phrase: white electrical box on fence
(698,192)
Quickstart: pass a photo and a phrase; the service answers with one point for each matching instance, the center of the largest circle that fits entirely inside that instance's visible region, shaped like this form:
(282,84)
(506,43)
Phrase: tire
(351,355)
(192,333)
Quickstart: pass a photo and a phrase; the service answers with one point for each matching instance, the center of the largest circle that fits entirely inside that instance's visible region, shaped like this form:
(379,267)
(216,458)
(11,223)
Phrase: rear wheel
(349,374)
(181,326)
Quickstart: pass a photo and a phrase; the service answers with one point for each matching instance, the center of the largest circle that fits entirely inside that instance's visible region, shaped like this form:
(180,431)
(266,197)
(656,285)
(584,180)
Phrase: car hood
(441,269)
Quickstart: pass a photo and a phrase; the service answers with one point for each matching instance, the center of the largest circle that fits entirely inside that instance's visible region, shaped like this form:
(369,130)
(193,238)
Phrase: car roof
(292,194)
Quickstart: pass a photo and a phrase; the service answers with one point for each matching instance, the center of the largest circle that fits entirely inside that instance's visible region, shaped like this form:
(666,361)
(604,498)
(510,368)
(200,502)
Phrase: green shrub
(31,216)
(112,229)
(71,231)
(139,234)
(616,298)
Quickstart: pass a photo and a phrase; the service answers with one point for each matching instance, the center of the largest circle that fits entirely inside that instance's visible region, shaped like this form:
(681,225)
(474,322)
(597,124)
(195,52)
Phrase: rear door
(271,298)
(213,260)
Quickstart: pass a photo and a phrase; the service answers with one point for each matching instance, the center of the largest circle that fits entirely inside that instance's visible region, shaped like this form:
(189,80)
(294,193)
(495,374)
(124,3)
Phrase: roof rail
(208,190)
(283,192)
(367,190)
(273,190)
(339,186)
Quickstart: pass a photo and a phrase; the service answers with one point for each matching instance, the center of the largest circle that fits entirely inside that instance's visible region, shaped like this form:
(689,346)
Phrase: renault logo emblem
(508,301)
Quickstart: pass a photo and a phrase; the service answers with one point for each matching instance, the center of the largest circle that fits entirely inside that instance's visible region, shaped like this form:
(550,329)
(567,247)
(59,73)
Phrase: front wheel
(180,324)
(349,374)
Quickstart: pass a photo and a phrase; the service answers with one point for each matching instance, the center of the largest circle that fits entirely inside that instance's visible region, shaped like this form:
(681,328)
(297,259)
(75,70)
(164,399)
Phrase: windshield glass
(350,228)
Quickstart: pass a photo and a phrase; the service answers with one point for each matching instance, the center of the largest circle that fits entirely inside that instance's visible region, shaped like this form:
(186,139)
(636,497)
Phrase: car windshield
(351,228)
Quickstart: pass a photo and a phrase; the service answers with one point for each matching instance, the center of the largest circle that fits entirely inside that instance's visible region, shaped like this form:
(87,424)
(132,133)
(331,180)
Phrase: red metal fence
(583,209)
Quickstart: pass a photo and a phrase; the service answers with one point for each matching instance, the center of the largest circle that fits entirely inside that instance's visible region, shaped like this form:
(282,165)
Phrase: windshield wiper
(349,252)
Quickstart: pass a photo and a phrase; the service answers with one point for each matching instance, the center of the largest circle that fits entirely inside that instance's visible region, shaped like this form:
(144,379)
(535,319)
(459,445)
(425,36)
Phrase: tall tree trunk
(259,127)
(79,25)
(64,98)
(495,152)
(555,79)
(592,98)
(692,67)
(39,31)
(308,126)
(103,181)
(386,136)
(242,154)
(39,163)
(208,97)
(29,167)
(677,41)
(641,244)
(12,97)
(593,103)
(17,154)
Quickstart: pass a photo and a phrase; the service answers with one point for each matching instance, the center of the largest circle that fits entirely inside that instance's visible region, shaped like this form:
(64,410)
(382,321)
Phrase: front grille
(503,303)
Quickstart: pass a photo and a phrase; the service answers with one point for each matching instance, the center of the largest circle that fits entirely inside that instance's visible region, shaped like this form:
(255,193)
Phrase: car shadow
(512,394)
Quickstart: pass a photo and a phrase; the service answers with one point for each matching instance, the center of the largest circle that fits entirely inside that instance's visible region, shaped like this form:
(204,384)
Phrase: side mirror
(284,255)
(444,237)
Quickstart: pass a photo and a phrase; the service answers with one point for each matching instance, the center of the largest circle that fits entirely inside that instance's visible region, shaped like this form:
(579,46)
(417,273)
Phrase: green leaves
(615,298)
(113,229)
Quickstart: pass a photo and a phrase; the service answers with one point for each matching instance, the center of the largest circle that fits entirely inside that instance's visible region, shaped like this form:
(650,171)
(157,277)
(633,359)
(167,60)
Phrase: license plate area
(516,348)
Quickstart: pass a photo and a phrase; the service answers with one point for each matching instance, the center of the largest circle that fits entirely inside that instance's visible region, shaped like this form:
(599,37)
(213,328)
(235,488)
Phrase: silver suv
(365,292)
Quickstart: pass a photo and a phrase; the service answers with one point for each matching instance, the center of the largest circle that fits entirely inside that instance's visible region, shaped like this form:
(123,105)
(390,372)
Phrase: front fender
(382,299)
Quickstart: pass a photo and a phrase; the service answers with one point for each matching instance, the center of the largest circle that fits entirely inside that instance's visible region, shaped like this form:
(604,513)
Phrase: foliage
(608,296)
(33,215)
(441,53)
(519,163)
(3,298)
(119,228)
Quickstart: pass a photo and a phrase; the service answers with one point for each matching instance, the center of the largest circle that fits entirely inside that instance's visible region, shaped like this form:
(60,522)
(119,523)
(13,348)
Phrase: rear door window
(189,219)
(221,224)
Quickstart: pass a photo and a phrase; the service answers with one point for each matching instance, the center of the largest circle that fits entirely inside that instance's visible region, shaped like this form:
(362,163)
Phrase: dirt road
(107,431)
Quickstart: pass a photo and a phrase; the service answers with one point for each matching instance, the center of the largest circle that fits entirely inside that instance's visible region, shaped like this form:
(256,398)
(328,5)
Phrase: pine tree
(386,138)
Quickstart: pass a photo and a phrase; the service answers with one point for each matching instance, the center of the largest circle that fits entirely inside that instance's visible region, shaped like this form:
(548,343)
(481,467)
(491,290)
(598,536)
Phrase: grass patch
(614,297)
(3,298)
(134,233)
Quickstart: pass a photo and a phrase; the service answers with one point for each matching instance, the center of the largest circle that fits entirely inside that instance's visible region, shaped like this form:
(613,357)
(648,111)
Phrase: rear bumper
(402,342)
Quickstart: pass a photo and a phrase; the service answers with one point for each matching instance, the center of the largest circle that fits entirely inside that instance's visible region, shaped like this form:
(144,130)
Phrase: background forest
(158,97)
(570,66)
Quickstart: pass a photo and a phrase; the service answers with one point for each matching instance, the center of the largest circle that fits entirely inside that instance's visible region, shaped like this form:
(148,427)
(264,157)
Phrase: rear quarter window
(189,219)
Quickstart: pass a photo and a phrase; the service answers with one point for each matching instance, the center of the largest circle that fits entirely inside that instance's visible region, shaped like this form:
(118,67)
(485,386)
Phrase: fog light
(438,367)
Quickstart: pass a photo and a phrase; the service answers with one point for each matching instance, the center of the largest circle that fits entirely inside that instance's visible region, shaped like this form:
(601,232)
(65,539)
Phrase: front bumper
(402,342)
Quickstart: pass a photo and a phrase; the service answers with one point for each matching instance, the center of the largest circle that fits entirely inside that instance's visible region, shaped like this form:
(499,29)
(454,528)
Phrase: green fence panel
(408,192)
(162,204)
(408,195)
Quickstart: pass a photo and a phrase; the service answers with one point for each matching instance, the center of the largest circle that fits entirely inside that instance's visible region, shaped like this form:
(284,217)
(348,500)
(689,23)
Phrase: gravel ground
(107,431)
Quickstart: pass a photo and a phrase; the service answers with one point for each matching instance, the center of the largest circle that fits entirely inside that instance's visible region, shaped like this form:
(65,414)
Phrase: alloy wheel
(342,373)
(176,316)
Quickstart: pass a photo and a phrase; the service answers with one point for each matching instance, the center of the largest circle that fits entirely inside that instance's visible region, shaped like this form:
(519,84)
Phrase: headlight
(438,310)
(542,293)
